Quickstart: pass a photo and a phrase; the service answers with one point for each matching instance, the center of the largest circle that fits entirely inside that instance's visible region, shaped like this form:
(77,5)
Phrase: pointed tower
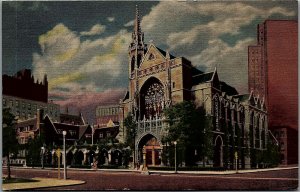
(136,52)
(137,48)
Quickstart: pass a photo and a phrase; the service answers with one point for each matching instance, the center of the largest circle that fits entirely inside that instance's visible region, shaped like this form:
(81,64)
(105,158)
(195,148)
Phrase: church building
(158,80)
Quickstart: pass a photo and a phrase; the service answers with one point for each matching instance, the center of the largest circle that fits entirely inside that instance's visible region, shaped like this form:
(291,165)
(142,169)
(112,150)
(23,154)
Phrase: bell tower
(137,48)
(136,52)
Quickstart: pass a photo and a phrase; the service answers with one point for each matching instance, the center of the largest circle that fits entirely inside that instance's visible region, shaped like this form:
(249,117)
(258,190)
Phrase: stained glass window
(154,100)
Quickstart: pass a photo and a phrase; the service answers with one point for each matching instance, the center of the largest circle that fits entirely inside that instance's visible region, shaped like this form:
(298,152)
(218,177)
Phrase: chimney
(39,117)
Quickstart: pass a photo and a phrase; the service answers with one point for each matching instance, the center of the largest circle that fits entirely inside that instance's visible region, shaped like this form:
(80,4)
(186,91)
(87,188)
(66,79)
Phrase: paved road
(99,180)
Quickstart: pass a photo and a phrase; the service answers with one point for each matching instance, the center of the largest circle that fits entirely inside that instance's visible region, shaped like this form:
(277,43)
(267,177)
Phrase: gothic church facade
(158,80)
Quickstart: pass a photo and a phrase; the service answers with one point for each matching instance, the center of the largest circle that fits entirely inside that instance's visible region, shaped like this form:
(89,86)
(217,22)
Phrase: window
(72,132)
(29,106)
(154,100)
(101,135)
(281,133)
(282,145)
(173,84)
(151,57)
(108,134)
(11,103)
(17,103)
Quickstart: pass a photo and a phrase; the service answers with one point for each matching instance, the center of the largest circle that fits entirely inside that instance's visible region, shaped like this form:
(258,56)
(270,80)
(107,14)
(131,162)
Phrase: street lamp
(93,134)
(175,143)
(133,135)
(43,151)
(65,166)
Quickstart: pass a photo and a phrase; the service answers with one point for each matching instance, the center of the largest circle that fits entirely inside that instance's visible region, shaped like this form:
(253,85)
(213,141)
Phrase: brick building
(24,96)
(273,76)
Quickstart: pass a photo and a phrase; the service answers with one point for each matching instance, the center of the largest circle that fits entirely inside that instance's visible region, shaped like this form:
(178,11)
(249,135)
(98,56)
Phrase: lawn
(17,180)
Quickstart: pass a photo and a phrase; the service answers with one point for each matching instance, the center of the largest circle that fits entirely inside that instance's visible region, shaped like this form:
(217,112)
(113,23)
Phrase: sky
(83,46)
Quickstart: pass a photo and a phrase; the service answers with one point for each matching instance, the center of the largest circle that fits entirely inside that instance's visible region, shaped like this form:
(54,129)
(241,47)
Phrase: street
(101,180)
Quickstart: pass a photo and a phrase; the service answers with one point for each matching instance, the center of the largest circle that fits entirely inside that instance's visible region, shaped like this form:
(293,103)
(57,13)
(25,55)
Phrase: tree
(190,127)
(131,131)
(10,142)
(33,155)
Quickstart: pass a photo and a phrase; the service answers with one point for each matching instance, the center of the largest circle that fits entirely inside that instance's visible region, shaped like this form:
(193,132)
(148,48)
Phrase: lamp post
(43,151)
(133,135)
(93,134)
(175,143)
(65,166)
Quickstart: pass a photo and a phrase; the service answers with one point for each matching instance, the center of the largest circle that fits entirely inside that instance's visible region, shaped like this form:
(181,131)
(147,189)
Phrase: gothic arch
(218,152)
(138,141)
(152,100)
(149,146)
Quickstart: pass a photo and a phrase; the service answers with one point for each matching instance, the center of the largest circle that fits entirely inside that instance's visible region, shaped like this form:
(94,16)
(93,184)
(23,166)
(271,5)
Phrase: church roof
(164,53)
(202,78)
(229,90)
(196,71)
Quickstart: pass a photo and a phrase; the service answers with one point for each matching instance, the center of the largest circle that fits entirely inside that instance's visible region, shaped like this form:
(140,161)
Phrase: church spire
(137,35)
(137,24)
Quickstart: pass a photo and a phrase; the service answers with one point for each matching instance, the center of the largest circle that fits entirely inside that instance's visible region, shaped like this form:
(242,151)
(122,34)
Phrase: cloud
(129,24)
(95,30)
(230,65)
(111,19)
(198,30)
(87,102)
(38,6)
(30,6)
(75,65)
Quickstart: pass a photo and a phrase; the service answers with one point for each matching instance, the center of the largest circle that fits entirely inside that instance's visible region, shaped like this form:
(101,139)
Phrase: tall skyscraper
(273,72)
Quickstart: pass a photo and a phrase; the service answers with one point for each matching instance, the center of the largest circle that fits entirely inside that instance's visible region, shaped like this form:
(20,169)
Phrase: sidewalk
(178,172)
(223,172)
(41,183)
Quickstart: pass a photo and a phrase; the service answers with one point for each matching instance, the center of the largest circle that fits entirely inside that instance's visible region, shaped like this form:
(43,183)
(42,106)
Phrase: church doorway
(218,152)
(149,150)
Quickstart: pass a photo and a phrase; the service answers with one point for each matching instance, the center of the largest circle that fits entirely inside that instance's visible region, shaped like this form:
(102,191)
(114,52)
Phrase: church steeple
(137,24)
(137,35)
(136,52)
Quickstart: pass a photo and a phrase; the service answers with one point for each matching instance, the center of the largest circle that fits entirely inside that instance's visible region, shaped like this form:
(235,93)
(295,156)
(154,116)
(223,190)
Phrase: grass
(17,180)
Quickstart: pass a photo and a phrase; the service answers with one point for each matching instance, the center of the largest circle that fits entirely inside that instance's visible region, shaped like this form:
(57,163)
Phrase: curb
(171,172)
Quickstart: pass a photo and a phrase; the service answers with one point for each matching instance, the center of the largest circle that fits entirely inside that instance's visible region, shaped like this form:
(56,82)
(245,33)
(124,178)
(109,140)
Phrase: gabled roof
(164,53)
(202,78)
(74,119)
(229,90)
(27,122)
(82,130)
(196,71)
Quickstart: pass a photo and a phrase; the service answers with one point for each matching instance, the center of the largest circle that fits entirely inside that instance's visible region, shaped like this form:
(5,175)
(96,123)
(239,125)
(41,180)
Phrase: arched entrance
(117,157)
(69,158)
(103,157)
(78,157)
(149,149)
(218,152)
